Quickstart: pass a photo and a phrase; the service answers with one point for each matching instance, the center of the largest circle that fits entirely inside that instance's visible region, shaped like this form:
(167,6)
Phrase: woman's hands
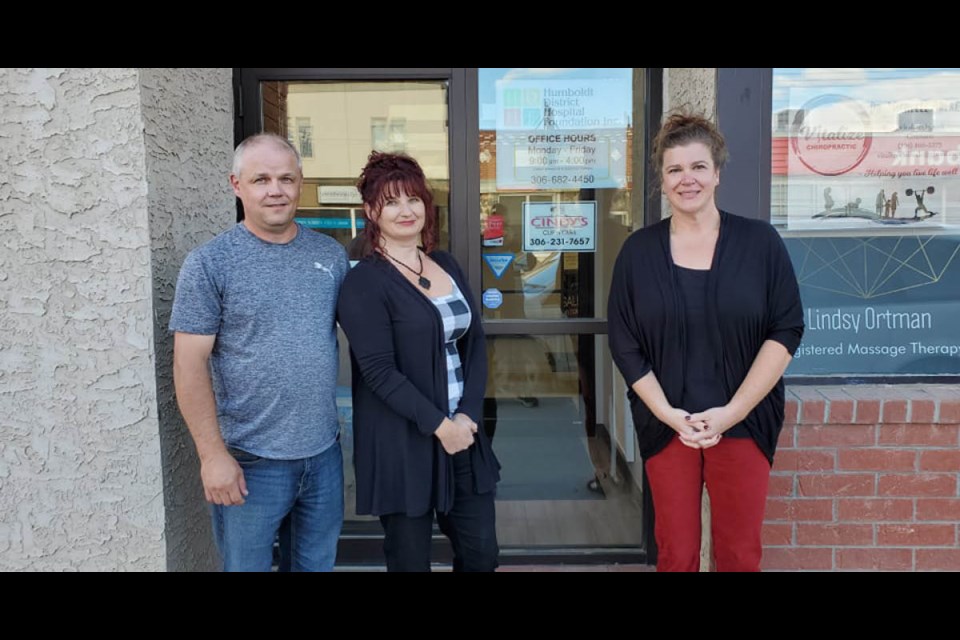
(457,434)
(712,424)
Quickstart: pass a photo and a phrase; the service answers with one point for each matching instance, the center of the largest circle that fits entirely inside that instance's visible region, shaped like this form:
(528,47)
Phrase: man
(255,369)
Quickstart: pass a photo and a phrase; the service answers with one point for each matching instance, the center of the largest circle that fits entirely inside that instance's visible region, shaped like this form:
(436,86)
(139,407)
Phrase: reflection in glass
(335,126)
(549,137)
(557,486)
(866,192)
(873,150)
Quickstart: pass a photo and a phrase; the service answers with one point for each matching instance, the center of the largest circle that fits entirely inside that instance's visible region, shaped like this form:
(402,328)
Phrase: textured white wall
(87,255)
(79,452)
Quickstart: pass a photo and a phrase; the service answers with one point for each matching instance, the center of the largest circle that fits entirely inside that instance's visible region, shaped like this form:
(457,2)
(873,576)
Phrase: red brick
(830,535)
(840,405)
(787,438)
(836,484)
(798,510)
(804,460)
(916,535)
(894,410)
(946,509)
(949,412)
(791,409)
(875,510)
(836,435)
(917,484)
(867,410)
(938,560)
(948,399)
(813,412)
(812,405)
(786,559)
(919,435)
(948,460)
(781,485)
(777,535)
(877,459)
(875,559)
(922,410)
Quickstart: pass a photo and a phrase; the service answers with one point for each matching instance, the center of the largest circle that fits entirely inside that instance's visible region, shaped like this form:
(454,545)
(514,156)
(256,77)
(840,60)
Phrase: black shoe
(594,486)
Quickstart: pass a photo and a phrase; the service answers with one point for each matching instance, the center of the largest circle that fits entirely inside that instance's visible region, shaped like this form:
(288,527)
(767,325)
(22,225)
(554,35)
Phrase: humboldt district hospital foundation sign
(878,305)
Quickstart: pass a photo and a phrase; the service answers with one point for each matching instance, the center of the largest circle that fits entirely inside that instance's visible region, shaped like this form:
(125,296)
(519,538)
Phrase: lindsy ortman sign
(562,134)
(878,305)
(560,226)
(876,340)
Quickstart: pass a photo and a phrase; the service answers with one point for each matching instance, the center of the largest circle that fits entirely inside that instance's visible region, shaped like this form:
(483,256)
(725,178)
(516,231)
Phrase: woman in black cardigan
(419,363)
(704,317)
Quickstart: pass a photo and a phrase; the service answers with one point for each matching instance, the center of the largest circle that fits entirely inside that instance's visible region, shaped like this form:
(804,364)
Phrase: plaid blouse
(456,316)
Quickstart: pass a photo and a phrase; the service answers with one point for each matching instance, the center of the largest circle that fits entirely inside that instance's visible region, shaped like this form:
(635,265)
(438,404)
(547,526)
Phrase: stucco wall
(188,126)
(80,471)
(694,87)
(109,176)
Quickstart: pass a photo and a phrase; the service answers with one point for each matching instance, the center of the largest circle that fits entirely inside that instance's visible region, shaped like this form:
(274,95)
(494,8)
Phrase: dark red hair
(385,176)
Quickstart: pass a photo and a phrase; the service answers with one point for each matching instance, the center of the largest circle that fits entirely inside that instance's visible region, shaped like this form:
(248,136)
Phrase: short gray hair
(259,138)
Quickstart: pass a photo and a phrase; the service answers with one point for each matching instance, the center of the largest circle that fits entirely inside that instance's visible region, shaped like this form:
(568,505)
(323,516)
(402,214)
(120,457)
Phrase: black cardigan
(752,295)
(400,390)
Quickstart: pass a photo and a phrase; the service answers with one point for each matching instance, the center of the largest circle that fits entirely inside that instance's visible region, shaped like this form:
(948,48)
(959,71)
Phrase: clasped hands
(701,430)
(456,434)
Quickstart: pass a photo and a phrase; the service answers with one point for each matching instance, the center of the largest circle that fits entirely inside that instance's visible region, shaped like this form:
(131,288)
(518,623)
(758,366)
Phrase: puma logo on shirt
(327,270)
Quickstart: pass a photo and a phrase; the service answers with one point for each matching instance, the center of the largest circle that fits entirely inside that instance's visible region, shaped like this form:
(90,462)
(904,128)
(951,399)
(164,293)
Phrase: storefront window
(866,192)
(556,182)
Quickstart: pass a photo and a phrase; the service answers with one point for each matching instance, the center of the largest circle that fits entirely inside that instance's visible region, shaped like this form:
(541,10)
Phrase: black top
(400,393)
(702,388)
(752,297)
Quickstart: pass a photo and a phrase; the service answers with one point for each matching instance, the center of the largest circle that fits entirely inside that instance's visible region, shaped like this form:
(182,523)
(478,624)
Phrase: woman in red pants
(704,317)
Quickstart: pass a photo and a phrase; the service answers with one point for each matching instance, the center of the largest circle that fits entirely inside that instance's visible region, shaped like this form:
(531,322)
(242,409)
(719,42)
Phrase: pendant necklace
(424,282)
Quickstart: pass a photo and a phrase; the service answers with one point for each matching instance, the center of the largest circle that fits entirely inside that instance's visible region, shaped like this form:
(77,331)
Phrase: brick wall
(866,478)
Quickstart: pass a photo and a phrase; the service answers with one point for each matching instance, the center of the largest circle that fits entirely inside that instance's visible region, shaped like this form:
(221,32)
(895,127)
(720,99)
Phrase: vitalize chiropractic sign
(878,305)
(562,134)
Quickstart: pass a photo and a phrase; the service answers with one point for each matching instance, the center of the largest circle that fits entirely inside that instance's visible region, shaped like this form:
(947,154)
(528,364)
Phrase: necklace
(424,282)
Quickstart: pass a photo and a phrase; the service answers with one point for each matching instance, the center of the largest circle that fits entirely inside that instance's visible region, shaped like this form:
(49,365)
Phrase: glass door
(539,177)
(335,118)
(558,196)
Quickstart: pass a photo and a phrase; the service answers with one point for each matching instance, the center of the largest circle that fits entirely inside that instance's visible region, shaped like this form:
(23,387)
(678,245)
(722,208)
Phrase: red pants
(736,474)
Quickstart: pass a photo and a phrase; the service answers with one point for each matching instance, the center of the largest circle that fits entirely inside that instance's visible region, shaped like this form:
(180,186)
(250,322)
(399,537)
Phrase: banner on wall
(878,305)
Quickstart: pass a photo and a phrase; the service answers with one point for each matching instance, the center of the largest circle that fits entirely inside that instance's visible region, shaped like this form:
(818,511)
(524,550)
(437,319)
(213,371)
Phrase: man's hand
(223,481)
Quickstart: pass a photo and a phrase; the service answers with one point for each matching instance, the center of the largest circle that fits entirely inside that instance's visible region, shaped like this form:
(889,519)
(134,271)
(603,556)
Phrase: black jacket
(752,295)
(400,390)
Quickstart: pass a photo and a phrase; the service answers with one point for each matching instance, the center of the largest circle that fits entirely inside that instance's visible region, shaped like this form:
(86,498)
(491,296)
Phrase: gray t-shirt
(274,362)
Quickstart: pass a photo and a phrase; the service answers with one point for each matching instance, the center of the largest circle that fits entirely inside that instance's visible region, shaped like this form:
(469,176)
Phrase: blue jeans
(310,490)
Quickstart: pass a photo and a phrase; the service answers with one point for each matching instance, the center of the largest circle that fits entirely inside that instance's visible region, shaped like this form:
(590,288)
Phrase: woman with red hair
(419,363)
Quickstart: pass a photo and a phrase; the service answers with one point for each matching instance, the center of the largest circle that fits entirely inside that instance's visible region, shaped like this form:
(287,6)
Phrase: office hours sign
(562,134)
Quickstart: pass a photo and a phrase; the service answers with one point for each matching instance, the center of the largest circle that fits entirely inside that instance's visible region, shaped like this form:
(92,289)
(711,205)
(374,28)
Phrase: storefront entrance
(538,177)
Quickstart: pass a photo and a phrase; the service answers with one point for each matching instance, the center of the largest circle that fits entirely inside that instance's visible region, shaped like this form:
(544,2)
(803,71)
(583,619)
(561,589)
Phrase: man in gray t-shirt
(255,369)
